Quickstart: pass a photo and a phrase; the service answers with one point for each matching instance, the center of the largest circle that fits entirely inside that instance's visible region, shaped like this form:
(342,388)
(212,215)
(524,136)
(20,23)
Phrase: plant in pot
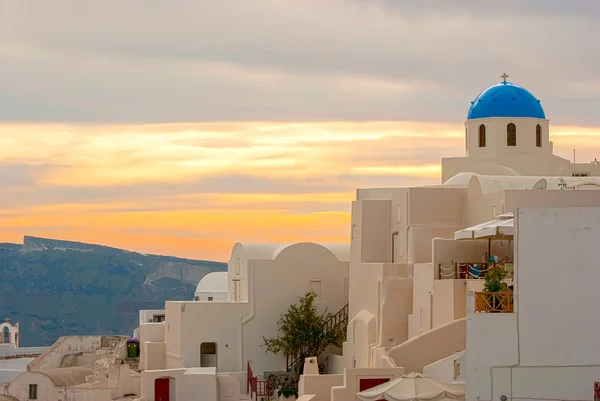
(287,393)
(493,284)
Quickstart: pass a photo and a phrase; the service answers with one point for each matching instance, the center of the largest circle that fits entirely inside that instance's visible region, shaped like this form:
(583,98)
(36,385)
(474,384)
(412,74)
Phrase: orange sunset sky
(213,123)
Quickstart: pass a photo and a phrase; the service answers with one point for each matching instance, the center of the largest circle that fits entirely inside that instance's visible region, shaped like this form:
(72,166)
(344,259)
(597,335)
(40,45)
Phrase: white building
(206,347)
(9,334)
(407,287)
(213,287)
(77,368)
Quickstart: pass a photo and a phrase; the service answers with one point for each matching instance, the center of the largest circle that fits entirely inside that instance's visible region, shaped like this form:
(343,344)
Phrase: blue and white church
(508,134)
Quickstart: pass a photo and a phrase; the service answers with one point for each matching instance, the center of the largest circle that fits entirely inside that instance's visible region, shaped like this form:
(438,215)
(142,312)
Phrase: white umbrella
(501,227)
(498,229)
(413,387)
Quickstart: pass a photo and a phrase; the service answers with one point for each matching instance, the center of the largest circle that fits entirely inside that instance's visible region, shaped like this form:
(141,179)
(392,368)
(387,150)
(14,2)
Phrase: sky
(181,127)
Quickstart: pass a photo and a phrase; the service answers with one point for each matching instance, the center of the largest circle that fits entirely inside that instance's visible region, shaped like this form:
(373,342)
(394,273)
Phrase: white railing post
(470,301)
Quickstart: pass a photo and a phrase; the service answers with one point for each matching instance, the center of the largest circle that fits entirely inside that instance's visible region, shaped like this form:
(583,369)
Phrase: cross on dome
(504,76)
(7,319)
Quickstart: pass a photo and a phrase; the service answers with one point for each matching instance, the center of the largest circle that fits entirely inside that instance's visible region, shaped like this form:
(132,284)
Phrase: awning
(413,387)
(500,228)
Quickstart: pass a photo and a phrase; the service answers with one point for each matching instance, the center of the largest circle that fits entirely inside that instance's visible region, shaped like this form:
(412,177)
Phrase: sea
(11,368)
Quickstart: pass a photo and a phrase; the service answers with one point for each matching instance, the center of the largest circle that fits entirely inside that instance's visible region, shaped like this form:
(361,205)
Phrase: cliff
(61,288)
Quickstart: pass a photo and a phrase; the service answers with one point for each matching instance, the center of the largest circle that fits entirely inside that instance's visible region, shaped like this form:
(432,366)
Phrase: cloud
(181,127)
(301,61)
(211,184)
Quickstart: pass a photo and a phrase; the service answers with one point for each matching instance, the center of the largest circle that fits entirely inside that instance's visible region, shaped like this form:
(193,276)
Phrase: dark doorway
(161,389)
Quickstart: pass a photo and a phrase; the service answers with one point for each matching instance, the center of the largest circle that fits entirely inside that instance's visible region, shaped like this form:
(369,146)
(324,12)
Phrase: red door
(366,384)
(161,389)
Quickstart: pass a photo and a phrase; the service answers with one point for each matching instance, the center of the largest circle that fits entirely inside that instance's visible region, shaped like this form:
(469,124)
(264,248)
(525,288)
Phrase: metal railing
(494,302)
(258,388)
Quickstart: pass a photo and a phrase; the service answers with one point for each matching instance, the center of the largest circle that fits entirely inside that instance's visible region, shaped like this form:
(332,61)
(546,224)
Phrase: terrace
(495,267)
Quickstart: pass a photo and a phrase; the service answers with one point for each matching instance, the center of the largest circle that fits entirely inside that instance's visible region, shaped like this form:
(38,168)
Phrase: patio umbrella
(501,228)
(413,387)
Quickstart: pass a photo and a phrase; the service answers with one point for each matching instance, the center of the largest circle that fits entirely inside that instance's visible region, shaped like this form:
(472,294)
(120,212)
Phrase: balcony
(494,302)
(472,270)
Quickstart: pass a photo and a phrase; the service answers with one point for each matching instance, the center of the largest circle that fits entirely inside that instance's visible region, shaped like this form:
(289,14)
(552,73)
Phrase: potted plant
(287,393)
(493,283)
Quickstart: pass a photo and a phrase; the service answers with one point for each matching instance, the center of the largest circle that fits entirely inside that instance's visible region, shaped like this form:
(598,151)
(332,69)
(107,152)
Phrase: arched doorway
(164,389)
(6,335)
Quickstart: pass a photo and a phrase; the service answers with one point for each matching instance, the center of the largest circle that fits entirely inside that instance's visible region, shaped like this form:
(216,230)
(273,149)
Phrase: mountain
(56,288)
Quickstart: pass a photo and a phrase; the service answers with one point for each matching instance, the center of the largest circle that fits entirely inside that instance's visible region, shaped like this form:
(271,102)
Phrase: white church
(409,287)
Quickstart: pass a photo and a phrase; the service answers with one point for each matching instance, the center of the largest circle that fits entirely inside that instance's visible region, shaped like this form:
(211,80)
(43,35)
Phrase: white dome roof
(213,282)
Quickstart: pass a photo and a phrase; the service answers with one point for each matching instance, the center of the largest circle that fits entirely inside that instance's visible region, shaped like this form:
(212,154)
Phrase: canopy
(413,387)
(500,228)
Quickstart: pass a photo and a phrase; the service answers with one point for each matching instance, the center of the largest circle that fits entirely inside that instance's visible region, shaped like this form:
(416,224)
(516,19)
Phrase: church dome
(505,100)
(213,282)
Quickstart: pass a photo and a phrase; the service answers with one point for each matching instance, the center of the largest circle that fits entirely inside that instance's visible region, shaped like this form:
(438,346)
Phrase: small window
(538,136)
(196,298)
(158,318)
(315,286)
(511,135)
(482,136)
(210,298)
(33,391)
(237,266)
(353,231)
(398,214)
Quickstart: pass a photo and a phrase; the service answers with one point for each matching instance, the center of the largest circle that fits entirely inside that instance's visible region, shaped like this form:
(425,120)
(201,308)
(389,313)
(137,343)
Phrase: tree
(304,333)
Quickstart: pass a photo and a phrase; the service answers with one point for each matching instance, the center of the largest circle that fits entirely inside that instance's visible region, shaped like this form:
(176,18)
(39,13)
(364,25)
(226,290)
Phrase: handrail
(455,272)
(495,302)
(339,318)
(260,388)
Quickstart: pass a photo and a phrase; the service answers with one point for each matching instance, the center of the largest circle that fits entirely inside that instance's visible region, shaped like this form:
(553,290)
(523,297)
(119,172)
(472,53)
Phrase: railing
(494,302)
(472,270)
(260,388)
(340,318)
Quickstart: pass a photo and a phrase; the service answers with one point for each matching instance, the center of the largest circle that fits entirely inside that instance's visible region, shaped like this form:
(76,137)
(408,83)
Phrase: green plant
(288,392)
(493,280)
(305,333)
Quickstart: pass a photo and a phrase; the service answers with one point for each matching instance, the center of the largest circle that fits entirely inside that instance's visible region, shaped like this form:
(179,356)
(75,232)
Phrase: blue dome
(505,100)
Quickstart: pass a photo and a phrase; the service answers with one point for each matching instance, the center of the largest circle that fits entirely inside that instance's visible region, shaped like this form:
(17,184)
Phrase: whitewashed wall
(547,349)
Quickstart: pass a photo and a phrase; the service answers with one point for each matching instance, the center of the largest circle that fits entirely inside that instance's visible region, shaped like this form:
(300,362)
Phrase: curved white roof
(459,180)
(341,251)
(257,250)
(213,282)
(494,183)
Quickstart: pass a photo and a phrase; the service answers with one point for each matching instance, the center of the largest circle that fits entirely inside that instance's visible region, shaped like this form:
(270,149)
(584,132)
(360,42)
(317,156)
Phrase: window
(210,298)
(482,136)
(353,231)
(398,214)
(33,391)
(158,318)
(237,265)
(315,286)
(511,135)
(196,298)
(538,136)
(208,355)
